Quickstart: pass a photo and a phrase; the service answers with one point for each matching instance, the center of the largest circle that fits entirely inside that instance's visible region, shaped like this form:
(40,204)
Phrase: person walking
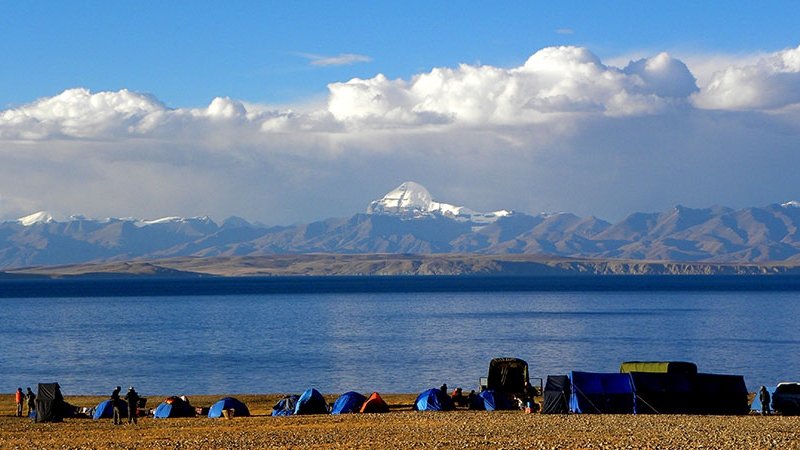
(133,402)
(764,398)
(30,398)
(20,398)
(116,404)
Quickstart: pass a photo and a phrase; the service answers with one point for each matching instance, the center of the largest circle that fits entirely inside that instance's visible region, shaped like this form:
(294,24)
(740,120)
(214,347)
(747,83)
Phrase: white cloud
(562,131)
(772,82)
(344,59)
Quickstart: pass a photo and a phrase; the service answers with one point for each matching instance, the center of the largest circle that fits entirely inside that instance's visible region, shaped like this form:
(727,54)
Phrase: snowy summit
(412,200)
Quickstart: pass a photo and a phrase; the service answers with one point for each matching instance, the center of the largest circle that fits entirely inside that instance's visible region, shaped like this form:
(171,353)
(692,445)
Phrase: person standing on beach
(763,397)
(133,402)
(30,398)
(116,405)
(444,388)
(20,398)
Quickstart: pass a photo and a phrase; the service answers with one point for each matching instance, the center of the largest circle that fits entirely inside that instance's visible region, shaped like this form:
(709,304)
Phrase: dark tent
(601,393)
(311,402)
(507,375)
(239,408)
(720,394)
(675,367)
(491,400)
(173,407)
(786,399)
(285,406)
(105,410)
(663,393)
(434,400)
(556,395)
(50,405)
(349,402)
(375,404)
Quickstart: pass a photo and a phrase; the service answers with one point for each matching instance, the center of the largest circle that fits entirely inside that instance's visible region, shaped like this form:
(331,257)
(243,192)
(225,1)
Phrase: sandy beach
(401,428)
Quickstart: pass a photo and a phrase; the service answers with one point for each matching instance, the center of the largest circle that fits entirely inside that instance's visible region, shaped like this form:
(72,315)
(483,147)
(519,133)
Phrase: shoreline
(400,428)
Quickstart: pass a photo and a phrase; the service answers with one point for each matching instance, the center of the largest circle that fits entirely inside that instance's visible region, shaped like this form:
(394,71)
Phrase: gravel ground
(400,428)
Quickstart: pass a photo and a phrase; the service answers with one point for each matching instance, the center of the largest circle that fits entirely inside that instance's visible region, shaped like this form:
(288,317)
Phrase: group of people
(23,398)
(526,401)
(132,397)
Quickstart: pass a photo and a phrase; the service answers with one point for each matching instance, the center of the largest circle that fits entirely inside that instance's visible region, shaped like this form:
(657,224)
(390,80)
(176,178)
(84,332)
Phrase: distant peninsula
(393,265)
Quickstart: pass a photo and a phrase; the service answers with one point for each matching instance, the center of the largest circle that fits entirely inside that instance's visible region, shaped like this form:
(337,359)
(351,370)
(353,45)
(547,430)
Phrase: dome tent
(240,409)
(311,402)
(105,410)
(433,400)
(349,402)
(173,407)
(375,404)
(285,406)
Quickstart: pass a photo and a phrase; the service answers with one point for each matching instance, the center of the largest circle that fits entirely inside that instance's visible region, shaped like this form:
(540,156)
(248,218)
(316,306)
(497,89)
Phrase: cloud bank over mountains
(562,131)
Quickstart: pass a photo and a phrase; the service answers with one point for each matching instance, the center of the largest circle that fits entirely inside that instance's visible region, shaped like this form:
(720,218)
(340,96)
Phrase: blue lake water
(387,341)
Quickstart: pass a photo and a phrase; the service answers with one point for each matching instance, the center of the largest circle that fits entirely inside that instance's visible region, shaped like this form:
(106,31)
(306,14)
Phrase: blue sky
(187,53)
(295,111)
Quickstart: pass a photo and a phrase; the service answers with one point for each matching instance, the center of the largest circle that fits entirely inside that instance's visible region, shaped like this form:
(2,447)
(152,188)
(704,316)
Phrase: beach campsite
(647,404)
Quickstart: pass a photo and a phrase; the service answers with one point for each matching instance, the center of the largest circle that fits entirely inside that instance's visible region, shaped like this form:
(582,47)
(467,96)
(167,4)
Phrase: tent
(173,407)
(786,399)
(507,375)
(311,402)
(50,405)
(556,395)
(285,406)
(676,367)
(720,394)
(349,402)
(375,404)
(663,393)
(240,409)
(105,410)
(433,400)
(491,400)
(601,393)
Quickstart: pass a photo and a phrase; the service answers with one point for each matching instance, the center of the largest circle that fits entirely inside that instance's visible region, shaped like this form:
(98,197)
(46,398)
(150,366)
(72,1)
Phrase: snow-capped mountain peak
(791,204)
(412,199)
(39,217)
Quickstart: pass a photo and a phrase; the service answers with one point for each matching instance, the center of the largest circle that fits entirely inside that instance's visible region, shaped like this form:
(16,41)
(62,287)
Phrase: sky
(284,112)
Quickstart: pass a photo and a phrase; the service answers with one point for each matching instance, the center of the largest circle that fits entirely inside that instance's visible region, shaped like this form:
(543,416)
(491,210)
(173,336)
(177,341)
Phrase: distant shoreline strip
(162,287)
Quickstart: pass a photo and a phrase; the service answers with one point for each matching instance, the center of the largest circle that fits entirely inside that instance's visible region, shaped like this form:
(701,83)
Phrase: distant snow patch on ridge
(413,200)
(791,204)
(39,217)
(172,219)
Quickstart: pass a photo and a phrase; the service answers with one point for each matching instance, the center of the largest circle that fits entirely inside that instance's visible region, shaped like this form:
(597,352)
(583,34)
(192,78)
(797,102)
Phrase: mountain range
(408,220)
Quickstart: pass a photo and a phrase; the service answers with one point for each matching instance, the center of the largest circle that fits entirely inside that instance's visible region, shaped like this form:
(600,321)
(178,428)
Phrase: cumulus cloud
(553,80)
(771,83)
(562,131)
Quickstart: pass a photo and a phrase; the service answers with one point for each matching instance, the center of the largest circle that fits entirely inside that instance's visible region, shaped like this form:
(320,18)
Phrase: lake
(221,338)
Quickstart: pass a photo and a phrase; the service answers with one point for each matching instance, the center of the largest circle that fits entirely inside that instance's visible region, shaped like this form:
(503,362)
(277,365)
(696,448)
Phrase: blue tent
(285,406)
(173,407)
(228,403)
(105,410)
(493,400)
(349,402)
(434,400)
(311,402)
(601,393)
